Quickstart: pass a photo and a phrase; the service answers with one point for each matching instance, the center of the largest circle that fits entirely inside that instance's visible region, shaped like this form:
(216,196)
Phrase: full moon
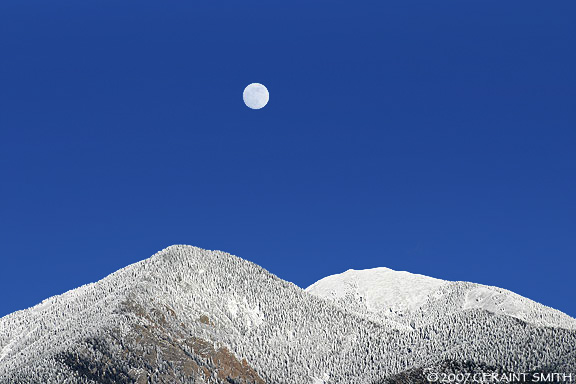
(255,96)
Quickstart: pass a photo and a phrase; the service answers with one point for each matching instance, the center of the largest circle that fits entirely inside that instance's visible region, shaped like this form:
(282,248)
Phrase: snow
(10,346)
(233,307)
(385,294)
(285,333)
(251,314)
(321,380)
(379,288)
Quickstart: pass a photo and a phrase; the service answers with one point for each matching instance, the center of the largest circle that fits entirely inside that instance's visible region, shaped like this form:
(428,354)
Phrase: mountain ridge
(195,316)
(403,293)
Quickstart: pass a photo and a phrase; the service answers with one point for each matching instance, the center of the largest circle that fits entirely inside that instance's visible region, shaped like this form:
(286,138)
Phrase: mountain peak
(187,314)
(383,294)
(379,289)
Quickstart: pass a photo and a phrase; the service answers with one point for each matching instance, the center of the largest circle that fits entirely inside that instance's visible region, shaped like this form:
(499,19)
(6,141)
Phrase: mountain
(188,315)
(382,294)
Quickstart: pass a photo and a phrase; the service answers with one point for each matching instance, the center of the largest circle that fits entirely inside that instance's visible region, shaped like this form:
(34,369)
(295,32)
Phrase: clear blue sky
(437,137)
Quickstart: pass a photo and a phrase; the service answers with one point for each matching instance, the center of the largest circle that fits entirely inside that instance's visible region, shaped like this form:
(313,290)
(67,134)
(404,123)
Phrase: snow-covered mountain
(188,315)
(382,294)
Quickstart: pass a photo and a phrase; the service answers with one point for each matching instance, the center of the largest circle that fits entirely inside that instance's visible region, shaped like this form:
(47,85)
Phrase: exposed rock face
(155,353)
(152,350)
(187,315)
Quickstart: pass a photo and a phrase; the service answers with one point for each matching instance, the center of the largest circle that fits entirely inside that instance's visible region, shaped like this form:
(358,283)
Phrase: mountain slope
(382,294)
(188,315)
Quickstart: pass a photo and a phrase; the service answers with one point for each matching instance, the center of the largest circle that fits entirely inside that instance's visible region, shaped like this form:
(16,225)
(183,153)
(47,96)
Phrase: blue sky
(433,137)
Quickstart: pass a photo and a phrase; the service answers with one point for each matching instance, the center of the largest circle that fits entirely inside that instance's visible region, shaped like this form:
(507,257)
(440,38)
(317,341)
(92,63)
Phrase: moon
(255,96)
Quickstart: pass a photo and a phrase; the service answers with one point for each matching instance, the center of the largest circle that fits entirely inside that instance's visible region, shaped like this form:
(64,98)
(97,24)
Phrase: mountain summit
(383,294)
(188,315)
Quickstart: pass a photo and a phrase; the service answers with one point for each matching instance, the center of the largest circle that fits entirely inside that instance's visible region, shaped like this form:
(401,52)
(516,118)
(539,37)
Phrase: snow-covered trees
(196,316)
